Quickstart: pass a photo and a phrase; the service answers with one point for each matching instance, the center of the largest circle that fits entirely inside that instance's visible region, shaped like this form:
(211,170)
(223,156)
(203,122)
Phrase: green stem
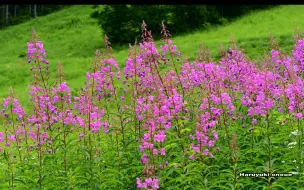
(269,151)
(234,174)
(40,166)
(203,172)
(12,172)
(300,149)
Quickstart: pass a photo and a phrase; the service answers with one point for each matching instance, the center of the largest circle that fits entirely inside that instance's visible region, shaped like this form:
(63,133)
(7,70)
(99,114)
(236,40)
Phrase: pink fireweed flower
(163,151)
(160,137)
(105,127)
(1,137)
(144,158)
(129,70)
(205,152)
(191,157)
(146,145)
(6,101)
(95,126)
(81,135)
(32,134)
(215,135)
(36,50)
(16,108)
(31,50)
(298,55)
(63,88)
(155,151)
(12,138)
(40,47)
(195,148)
(205,134)
(167,125)
(149,184)
(295,94)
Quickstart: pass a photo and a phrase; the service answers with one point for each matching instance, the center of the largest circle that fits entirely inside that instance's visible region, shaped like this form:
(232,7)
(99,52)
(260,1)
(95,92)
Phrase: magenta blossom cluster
(159,105)
(157,113)
(15,129)
(298,55)
(36,50)
(149,184)
(102,78)
(261,93)
(145,64)
(90,116)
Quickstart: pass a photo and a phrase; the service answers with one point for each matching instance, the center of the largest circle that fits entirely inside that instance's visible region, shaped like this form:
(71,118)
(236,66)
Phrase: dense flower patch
(167,123)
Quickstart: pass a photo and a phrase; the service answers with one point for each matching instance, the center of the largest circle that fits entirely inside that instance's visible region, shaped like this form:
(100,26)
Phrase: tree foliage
(20,13)
(122,22)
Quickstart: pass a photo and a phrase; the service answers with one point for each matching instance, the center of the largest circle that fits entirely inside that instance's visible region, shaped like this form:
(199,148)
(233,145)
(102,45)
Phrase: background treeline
(15,14)
(122,23)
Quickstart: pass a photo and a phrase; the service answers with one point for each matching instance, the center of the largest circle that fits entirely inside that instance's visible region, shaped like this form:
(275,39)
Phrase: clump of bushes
(121,22)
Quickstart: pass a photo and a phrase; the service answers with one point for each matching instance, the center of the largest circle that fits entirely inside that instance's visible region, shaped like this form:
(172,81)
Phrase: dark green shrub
(122,23)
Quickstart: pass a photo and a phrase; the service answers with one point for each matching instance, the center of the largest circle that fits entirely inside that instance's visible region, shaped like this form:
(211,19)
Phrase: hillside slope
(71,37)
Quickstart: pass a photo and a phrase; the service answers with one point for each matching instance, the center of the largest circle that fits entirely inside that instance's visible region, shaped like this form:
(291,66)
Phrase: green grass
(71,37)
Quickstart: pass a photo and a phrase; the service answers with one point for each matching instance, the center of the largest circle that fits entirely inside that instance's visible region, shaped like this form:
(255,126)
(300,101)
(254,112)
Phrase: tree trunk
(35,10)
(3,14)
(6,15)
(42,10)
(15,10)
(30,9)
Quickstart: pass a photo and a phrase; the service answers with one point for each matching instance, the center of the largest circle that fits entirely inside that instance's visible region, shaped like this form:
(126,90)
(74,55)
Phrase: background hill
(71,37)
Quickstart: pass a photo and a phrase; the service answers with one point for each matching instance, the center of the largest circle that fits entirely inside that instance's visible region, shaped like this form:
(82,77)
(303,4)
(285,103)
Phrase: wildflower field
(164,123)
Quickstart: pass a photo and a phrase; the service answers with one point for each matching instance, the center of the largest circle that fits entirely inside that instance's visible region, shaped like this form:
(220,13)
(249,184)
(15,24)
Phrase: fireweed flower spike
(15,130)
(157,108)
